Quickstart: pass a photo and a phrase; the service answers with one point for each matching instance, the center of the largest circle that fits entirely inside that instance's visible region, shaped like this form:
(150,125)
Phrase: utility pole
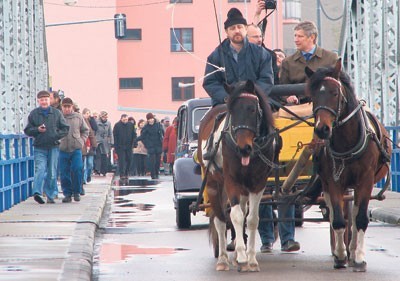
(319,22)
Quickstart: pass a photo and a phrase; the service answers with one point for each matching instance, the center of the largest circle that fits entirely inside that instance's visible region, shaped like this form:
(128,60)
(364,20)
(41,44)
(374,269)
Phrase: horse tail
(213,235)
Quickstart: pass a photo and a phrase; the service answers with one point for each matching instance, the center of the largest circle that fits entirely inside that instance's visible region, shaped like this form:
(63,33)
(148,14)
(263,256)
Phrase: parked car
(186,182)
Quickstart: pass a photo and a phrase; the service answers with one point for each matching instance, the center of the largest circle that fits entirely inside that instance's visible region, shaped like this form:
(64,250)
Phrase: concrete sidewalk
(52,241)
(55,241)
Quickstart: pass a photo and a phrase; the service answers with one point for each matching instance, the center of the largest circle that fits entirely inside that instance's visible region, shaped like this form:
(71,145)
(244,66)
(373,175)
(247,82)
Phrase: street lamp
(70,2)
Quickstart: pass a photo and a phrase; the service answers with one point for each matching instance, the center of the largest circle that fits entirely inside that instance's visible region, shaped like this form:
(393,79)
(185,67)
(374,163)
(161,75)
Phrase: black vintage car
(186,182)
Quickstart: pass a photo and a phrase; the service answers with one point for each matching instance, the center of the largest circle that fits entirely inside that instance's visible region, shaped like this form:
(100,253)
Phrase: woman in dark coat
(152,136)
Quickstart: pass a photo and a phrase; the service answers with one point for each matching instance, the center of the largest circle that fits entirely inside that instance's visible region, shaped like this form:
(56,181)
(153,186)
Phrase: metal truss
(370,48)
(23,58)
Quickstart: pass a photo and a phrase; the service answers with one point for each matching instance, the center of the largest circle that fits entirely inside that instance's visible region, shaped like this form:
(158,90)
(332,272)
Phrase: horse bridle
(338,112)
(256,129)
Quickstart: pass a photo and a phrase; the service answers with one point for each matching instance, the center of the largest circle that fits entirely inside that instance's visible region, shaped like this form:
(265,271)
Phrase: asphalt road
(138,240)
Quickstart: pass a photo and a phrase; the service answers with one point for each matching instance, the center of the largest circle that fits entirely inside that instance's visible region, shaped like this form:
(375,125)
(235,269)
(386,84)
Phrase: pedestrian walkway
(55,241)
(52,241)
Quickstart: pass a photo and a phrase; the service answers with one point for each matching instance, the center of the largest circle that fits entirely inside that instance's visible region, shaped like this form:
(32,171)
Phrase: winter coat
(140,148)
(169,143)
(56,127)
(254,63)
(89,148)
(124,135)
(104,137)
(77,135)
(152,137)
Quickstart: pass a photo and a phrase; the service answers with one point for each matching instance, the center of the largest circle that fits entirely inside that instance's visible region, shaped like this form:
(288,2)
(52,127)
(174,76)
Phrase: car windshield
(198,113)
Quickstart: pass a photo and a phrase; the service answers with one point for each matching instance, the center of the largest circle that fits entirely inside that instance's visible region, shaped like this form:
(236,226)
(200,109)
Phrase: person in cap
(71,163)
(47,126)
(105,141)
(241,59)
(152,136)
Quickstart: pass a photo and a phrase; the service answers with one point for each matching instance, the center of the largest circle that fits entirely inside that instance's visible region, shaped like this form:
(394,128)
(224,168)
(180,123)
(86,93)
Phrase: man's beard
(237,39)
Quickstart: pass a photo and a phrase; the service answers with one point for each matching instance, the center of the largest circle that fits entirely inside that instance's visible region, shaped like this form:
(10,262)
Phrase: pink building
(139,73)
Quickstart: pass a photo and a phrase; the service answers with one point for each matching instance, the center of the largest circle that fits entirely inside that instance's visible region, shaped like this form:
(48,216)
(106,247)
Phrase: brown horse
(243,143)
(355,155)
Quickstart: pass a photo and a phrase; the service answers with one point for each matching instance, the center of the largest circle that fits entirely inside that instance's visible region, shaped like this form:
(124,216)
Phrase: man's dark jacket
(152,137)
(254,63)
(124,135)
(56,127)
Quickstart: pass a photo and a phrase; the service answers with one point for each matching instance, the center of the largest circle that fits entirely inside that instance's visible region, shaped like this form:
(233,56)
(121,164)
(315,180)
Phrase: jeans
(87,167)
(286,229)
(71,172)
(45,178)
(266,228)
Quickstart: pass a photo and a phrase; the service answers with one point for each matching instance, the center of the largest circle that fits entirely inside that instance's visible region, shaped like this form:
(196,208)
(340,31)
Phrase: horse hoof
(351,263)
(360,267)
(254,267)
(243,267)
(339,264)
(222,267)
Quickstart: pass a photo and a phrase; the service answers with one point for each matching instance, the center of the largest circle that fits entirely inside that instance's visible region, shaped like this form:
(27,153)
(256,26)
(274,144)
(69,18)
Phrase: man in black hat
(242,61)
(47,126)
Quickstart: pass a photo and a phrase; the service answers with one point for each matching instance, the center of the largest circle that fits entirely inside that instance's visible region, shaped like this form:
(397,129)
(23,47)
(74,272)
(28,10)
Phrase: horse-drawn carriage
(351,151)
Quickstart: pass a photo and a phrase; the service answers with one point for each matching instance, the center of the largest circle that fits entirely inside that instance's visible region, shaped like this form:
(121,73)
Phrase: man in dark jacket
(124,135)
(47,126)
(241,59)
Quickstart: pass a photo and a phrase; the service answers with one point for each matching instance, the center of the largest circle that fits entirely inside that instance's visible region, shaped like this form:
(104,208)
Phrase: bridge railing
(395,163)
(16,169)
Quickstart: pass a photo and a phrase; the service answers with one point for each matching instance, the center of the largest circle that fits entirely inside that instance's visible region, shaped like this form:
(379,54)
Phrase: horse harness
(368,131)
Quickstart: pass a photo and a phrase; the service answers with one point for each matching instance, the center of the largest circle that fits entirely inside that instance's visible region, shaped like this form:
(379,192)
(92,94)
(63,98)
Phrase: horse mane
(267,122)
(319,75)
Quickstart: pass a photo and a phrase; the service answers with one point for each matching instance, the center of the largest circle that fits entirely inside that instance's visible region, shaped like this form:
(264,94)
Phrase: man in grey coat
(71,164)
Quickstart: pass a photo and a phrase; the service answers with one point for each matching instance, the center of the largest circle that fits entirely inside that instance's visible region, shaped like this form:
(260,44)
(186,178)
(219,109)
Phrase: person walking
(169,145)
(89,149)
(124,136)
(71,164)
(105,140)
(152,136)
(266,226)
(140,152)
(47,126)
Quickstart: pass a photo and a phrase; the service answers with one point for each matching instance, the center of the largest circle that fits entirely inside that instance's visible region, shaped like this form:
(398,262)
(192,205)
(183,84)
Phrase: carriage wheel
(348,207)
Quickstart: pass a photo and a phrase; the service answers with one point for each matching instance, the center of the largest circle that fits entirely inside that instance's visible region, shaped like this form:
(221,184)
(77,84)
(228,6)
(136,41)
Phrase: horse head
(330,90)
(248,113)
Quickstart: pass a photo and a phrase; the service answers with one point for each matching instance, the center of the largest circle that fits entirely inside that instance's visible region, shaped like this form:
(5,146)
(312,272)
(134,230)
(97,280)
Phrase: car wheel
(183,214)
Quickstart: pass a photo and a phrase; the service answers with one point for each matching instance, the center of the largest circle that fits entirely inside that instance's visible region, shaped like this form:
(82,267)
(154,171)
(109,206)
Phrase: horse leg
(361,224)
(223,261)
(252,224)
(338,225)
(237,217)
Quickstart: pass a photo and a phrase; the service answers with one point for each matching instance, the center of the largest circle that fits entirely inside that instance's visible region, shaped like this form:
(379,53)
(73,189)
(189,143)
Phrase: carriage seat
(301,110)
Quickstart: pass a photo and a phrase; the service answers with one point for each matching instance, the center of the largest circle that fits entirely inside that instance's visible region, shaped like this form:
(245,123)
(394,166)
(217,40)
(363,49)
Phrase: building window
(132,34)
(292,10)
(238,1)
(131,83)
(180,1)
(182,93)
(185,38)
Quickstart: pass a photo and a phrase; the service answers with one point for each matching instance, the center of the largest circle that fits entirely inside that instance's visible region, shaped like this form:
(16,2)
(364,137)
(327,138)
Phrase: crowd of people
(71,147)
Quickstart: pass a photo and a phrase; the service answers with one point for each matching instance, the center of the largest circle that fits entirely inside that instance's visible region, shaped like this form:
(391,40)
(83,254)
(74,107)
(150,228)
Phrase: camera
(270,4)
